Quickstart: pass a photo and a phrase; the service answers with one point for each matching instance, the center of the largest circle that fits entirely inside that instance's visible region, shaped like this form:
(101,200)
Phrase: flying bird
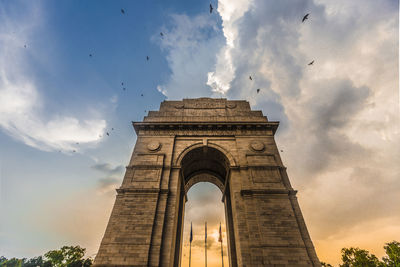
(141,94)
(73,151)
(312,62)
(107,134)
(162,35)
(24,46)
(258,90)
(147,57)
(77,143)
(122,11)
(211,8)
(112,129)
(305,17)
(122,83)
(124,89)
(250,78)
(90,55)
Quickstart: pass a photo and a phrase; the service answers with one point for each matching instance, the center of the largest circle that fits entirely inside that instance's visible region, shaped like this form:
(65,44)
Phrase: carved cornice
(249,192)
(265,166)
(141,190)
(205,128)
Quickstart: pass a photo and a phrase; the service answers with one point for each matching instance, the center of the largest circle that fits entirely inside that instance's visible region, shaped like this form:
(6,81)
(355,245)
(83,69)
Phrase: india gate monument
(219,141)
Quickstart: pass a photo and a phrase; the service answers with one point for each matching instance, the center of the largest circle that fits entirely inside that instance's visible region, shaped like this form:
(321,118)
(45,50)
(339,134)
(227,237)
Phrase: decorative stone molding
(212,129)
(154,146)
(231,105)
(257,146)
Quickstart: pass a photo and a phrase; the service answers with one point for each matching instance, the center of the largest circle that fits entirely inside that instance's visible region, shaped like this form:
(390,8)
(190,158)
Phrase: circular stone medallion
(153,146)
(257,146)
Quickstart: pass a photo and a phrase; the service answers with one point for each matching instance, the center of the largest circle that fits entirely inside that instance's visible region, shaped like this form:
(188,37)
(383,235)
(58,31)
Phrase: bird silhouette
(305,17)
(107,134)
(147,57)
(122,83)
(258,90)
(77,143)
(90,55)
(311,63)
(73,151)
(122,11)
(211,8)
(141,94)
(124,89)
(250,78)
(162,35)
(112,129)
(24,46)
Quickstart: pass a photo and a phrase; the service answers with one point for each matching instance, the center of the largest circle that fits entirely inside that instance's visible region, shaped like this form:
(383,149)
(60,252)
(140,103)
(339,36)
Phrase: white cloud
(230,11)
(22,108)
(162,90)
(190,45)
(339,118)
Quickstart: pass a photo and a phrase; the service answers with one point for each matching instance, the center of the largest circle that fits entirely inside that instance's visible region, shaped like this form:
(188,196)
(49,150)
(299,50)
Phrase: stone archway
(202,163)
(216,140)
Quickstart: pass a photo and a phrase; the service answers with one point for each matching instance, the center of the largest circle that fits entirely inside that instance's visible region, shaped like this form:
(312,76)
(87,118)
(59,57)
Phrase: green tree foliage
(67,256)
(392,258)
(355,257)
(13,262)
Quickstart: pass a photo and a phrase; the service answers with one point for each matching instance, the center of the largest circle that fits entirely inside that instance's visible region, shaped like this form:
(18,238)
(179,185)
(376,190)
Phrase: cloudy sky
(71,71)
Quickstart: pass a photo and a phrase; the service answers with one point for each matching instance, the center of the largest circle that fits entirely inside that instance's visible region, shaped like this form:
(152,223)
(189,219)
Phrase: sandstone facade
(219,141)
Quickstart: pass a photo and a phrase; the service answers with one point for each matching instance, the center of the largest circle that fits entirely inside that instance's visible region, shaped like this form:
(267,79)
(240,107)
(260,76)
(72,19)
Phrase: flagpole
(190,247)
(205,244)
(220,240)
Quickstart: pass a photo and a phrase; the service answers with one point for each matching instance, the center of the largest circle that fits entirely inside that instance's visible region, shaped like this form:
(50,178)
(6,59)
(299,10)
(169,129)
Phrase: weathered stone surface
(222,142)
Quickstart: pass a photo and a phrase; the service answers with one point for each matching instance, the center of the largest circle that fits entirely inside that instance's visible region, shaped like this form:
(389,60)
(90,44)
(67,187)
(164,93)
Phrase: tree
(68,256)
(36,261)
(13,262)
(355,257)
(324,264)
(392,250)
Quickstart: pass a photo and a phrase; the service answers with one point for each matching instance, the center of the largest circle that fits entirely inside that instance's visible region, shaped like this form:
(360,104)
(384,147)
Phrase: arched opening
(205,164)
(204,205)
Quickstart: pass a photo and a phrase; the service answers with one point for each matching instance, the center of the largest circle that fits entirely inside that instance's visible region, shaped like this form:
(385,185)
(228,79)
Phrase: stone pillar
(213,140)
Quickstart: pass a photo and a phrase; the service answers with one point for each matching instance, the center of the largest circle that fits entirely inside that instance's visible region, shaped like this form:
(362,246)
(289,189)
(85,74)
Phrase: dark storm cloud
(331,111)
(337,116)
(337,104)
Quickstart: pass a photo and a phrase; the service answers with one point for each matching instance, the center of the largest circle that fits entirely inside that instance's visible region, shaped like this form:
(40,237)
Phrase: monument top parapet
(205,110)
